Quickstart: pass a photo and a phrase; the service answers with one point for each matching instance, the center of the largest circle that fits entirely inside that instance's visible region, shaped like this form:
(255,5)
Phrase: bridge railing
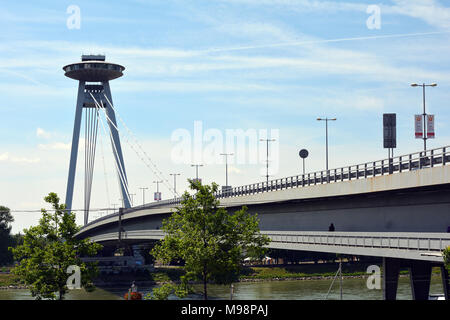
(427,242)
(408,162)
(413,245)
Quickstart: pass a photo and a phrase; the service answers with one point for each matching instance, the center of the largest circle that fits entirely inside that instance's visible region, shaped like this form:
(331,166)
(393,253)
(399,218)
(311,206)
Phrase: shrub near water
(301,271)
(8,279)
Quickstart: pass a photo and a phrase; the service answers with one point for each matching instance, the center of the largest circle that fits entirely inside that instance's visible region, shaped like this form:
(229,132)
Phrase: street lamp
(424,112)
(226,166)
(326,135)
(143,195)
(175,182)
(157,193)
(267,161)
(196,170)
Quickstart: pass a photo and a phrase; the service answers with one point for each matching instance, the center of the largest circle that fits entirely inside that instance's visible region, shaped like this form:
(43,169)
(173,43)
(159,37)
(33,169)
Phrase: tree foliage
(6,240)
(47,251)
(211,241)
(446,255)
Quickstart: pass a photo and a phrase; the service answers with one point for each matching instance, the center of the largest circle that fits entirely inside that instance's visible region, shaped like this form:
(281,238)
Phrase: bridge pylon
(94,96)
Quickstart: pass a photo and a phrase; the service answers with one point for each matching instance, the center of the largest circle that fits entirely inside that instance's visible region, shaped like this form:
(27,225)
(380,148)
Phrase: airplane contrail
(299,43)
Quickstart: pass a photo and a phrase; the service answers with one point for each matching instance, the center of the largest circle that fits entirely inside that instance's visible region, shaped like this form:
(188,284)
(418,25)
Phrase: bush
(134,296)
(446,255)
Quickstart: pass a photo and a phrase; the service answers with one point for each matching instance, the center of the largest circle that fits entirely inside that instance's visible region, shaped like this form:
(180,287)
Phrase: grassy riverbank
(283,272)
(254,273)
(8,279)
(302,271)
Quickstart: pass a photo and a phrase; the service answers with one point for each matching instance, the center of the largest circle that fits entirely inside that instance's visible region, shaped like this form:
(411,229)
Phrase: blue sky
(232,64)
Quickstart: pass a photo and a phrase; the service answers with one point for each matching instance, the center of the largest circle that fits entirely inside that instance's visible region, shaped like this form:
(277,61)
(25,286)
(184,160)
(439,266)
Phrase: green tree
(6,239)
(446,255)
(210,241)
(47,251)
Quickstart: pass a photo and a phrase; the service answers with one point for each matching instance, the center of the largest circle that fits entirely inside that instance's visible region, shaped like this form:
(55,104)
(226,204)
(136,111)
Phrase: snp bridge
(398,209)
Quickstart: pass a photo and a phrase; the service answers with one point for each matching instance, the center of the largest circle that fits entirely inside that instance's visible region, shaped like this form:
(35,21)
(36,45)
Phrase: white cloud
(232,169)
(430,11)
(41,133)
(6,157)
(55,146)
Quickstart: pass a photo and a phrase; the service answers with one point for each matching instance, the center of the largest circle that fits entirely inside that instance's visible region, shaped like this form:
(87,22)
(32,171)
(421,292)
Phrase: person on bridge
(133,287)
(331,227)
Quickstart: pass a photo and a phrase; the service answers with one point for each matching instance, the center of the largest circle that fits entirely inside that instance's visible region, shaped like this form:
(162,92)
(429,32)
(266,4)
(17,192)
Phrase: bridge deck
(406,245)
(410,162)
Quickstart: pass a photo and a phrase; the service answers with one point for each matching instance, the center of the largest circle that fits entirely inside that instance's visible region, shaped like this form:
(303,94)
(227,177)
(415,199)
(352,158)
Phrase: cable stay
(117,163)
(119,168)
(91,128)
(102,151)
(155,169)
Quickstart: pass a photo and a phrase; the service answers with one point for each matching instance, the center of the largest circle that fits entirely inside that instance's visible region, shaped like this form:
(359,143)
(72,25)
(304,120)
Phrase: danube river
(353,289)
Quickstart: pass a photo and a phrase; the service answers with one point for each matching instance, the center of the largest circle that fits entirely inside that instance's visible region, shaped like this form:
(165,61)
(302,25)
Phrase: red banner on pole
(418,125)
(430,126)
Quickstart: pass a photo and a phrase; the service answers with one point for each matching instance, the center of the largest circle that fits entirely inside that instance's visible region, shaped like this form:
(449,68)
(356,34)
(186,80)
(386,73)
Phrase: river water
(353,289)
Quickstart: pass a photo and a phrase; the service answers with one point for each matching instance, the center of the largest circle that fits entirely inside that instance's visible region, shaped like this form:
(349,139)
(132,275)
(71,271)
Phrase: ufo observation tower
(93,74)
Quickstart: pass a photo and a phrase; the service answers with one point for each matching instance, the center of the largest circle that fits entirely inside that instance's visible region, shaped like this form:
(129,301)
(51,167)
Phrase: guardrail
(408,162)
(414,245)
(431,242)
(406,245)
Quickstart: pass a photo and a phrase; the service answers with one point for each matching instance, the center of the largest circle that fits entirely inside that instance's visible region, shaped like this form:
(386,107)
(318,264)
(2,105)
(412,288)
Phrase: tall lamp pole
(267,159)
(424,112)
(326,135)
(143,195)
(175,182)
(157,188)
(196,170)
(226,166)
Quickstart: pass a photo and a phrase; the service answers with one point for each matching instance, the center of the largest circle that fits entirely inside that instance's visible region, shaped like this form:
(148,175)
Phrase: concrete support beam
(445,282)
(420,276)
(391,269)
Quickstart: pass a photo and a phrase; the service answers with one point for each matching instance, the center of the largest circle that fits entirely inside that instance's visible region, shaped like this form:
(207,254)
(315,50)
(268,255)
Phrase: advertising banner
(418,126)
(430,126)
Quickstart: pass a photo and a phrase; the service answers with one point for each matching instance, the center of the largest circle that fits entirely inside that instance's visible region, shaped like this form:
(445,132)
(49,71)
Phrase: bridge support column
(420,276)
(445,282)
(391,269)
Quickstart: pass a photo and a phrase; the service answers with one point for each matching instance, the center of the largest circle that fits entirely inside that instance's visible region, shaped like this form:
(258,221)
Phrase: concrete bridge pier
(445,282)
(391,270)
(420,276)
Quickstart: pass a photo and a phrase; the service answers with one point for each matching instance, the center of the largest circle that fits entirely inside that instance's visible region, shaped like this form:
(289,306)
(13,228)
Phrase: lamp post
(326,135)
(226,166)
(143,195)
(267,161)
(424,112)
(196,170)
(175,182)
(157,194)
